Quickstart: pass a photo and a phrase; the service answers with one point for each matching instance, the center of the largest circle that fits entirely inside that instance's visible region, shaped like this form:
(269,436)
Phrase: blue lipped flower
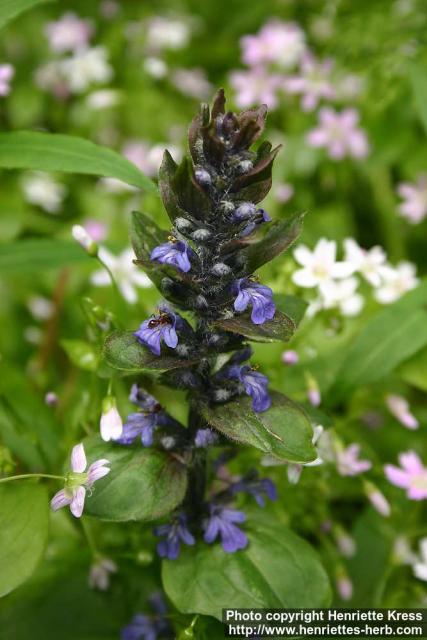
(205,438)
(254,383)
(157,328)
(149,627)
(173,533)
(258,488)
(144,422)
(259,296)
(222,522)
(175,253)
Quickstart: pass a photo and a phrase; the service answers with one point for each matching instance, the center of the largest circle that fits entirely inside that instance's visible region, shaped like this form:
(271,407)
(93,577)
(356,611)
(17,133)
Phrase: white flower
(396,281)
(99,574)
(420,564)
(155,67)
(319,265)
(86,67)
(167,33)
(126,274)
(69,33)
(368,263)
(42,190)
(81,236)
(41,308)
(342,295)
(400,409)
(111,424)
(103,99)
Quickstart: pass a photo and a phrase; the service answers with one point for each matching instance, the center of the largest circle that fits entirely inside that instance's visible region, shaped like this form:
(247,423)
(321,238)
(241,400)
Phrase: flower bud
(51,399)
(290,357)
(377,499)
(182,224)
(203,177)
(244,166)
(81,236)
(220,269)
(201,235)
(111,425)
(244,211)
(201,302)
(226,206)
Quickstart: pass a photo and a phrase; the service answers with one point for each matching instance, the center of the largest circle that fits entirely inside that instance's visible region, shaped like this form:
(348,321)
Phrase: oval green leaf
(24,520)
(143,484)
(284,431)
(124,352)
(10,9)
(278,569)
(57,152)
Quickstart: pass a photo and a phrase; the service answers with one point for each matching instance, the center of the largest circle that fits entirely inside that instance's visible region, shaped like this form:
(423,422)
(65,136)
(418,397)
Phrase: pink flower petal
(78,501)
(411,462)
(396,476)
(59,500)
(78,458)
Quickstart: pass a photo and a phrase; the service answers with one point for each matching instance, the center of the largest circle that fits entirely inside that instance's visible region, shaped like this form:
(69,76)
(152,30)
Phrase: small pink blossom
(74,492)
(255,86)
(6,74)
(69,33)
(277,42)
(400,409)
(283,192)
(290,357)
(411,475)
(348,462)
(99,574)
(313,82)
(96,229)
(414,195)
(377,499)
(192,82)
(339,134)
(345,587)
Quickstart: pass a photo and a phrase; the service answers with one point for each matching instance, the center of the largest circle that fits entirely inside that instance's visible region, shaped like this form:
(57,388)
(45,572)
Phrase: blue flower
(258,296)
(144,627)
(256,488)
(204,438)
(175,253)
(143,423)
(174,533)
(222,522)
(158,328)
(255,385)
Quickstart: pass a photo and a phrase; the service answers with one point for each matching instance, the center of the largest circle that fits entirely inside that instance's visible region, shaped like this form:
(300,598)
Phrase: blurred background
(346,86)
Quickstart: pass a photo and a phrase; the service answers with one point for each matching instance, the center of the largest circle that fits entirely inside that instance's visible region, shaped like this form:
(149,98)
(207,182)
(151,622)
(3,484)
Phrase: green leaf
(145,235)
(143,484)
(283,431)
(29,428)
(414,370)
(418,76)
(24,520)
(278,569)
(81,353)
(10,9)
(57,152)
(387,340)
(281,327)
(279,237)
(123,351)
(35,254)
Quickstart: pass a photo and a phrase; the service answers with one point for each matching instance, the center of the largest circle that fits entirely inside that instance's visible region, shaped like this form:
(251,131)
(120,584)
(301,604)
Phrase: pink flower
(277,42)
(312,83)
(255,86)
(348,462)
(290,357)
(6,74)
(69,33)
(400,409)
(78,480)
(412,475)
(283,192)
(414,207)
(339,134)
(96,229)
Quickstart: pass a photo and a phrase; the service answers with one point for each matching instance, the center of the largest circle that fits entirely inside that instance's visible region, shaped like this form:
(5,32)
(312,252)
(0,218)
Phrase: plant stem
(116,290)
(89,536)
(32,475)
